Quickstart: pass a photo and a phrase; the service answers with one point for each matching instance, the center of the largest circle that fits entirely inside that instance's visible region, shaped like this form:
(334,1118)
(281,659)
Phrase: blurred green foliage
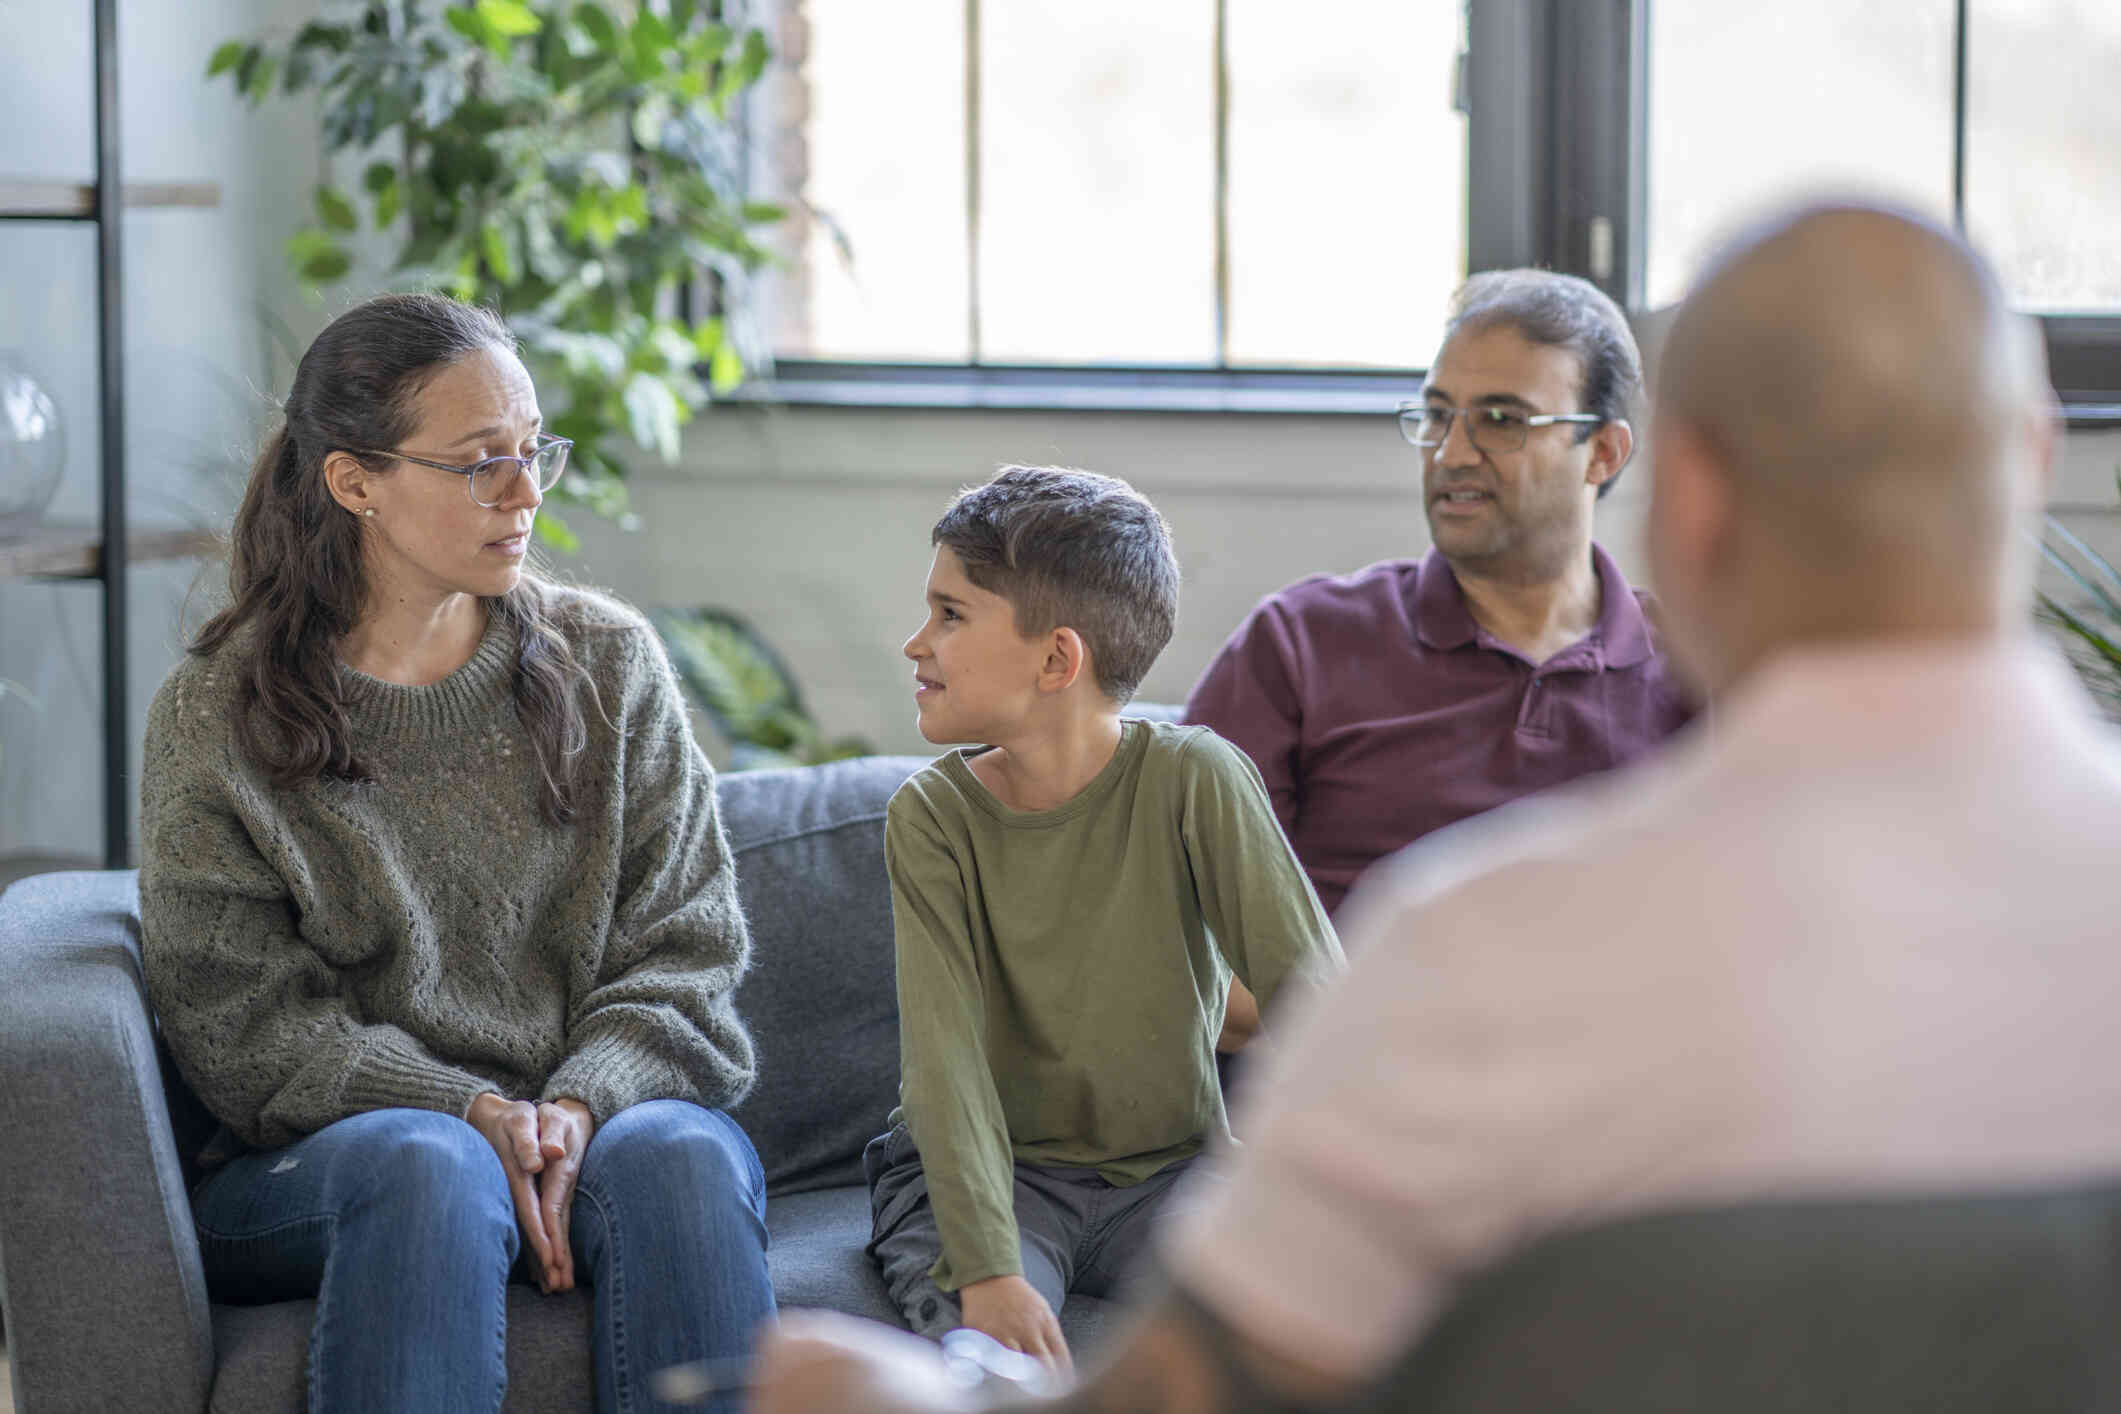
(747,692)
(573,165)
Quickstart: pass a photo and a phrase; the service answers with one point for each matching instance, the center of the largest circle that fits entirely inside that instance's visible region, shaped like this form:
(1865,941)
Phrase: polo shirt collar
(1443,621)
(1622,628)
(1441,618)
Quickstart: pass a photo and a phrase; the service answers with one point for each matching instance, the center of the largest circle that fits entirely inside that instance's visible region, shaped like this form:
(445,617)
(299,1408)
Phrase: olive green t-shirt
(1062,973)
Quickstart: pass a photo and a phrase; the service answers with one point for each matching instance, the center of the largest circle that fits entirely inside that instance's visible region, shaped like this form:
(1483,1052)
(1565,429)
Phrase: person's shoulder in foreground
(1847,939)
(1791,957)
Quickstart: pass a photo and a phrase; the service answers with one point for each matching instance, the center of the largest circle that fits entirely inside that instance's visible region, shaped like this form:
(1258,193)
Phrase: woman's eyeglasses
(490,480)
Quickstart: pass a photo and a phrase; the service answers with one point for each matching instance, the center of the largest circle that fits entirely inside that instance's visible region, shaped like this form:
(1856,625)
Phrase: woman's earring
(369,512)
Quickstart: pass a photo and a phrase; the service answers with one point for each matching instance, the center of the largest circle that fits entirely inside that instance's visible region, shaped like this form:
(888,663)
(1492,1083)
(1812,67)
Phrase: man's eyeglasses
(489,481)
(1492,429)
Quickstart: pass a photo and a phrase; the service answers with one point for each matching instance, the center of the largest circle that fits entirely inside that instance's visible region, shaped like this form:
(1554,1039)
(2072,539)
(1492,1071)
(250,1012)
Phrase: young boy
(1071,898)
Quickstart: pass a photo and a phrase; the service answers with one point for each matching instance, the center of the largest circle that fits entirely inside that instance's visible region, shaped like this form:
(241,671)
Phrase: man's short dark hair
(1560,311)
(1077,550)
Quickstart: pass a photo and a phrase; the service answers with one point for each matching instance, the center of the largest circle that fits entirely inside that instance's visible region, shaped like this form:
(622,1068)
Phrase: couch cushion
(820,1259)
(819,1254)
(263,1352)
(821,1000)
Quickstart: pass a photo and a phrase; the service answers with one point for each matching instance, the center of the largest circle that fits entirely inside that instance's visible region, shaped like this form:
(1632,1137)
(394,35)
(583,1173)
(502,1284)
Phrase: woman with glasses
(436,911)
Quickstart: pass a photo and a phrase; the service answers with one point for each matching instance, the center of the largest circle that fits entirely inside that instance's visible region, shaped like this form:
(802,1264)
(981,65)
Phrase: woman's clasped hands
(541,1148)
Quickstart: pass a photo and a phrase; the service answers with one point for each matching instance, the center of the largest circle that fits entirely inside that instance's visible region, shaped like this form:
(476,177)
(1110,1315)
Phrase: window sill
(1022,388)
(948,387)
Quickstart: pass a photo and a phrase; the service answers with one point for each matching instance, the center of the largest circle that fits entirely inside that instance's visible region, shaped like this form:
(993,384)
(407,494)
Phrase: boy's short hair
(1072,549)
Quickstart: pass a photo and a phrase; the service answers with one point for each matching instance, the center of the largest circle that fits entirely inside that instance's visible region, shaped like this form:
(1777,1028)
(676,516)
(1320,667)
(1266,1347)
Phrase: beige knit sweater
(317,952)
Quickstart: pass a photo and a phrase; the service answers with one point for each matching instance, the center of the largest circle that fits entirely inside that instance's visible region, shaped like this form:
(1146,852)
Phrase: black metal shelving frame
(104,212)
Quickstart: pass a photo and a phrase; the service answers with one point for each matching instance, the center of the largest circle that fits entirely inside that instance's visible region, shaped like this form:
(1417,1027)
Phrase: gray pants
(1075,1231)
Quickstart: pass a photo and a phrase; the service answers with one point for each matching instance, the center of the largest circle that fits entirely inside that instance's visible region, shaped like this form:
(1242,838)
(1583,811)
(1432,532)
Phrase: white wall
(202,292)
(814,523)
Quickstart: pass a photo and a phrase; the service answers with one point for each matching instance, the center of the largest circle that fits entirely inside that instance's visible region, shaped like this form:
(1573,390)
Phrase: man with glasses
(1385,704)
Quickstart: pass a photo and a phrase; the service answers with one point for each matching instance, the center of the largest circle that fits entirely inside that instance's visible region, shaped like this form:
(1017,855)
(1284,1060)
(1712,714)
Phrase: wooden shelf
(76,552)
(76,201)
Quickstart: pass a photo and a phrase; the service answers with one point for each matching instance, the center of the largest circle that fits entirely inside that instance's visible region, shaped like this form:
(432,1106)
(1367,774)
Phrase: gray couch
(105,1304)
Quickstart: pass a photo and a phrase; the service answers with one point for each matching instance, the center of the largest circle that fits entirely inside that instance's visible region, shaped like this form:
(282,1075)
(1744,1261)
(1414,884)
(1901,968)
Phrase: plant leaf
(596,22)
(335,211)
(707,338)
(651,34)
(510,19)
(2096,562)
(652,410)
(257,83)
(553,531)
(725,369)
(750,63)
(468,23)
(316,256)
(316,35)
(226,57)
(648,121)
(2076,576)
(498,244)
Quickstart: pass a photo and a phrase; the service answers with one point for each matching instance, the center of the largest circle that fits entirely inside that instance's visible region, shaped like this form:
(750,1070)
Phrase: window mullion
(1507,132)
(974,340)
(1959,21)
(1222,183)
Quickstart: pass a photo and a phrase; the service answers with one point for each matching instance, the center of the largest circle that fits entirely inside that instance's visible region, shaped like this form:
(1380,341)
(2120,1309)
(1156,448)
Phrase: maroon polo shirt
(1378,710)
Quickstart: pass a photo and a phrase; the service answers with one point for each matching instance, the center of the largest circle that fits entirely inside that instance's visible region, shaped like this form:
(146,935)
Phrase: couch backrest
(821,999)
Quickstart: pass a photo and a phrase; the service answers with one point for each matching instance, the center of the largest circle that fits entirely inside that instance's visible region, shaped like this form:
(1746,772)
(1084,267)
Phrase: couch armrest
(99,1263)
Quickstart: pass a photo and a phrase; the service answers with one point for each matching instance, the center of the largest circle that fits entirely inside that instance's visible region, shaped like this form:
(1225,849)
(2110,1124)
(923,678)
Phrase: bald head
(1859,383)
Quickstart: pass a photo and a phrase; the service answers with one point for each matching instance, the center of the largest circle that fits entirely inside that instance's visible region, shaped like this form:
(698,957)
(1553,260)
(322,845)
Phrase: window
(1750,105)
(2043,127)
(1998,115)
(1003,188)
(1193,183)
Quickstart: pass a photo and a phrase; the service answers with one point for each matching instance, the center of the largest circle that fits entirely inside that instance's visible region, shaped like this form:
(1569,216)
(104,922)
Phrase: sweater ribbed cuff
(394,1072)
(611,1070)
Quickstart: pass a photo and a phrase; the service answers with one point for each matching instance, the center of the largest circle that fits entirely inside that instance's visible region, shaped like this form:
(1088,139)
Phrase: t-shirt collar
(1443,621)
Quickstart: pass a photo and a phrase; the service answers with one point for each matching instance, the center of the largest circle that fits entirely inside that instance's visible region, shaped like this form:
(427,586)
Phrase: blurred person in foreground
(1851,938)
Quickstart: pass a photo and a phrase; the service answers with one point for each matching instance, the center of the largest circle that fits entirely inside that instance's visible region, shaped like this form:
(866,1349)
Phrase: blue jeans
(400,1224)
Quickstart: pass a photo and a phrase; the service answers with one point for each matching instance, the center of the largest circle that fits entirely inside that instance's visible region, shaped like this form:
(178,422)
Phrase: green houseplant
(747,692)
(575,165)
(2090,628)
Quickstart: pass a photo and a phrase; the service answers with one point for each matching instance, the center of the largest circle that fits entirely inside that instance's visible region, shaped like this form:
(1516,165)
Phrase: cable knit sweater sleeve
(652,1015)
(259,1022)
